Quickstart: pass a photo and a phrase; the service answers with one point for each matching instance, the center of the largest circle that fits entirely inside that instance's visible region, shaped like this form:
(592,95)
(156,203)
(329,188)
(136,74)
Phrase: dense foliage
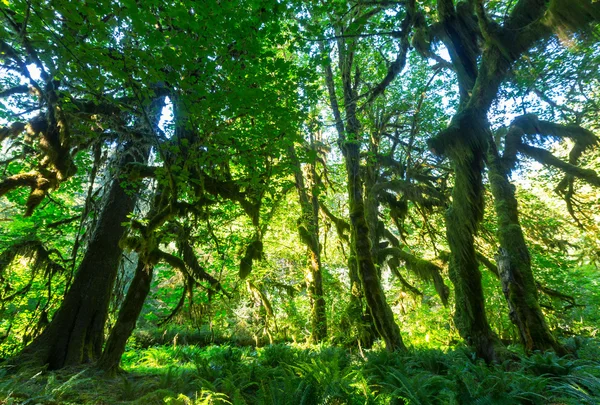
(260,201)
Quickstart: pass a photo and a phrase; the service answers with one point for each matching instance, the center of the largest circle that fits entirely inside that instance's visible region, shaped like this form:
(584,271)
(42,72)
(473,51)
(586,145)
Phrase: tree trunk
(349,141)
(514,264)
(76,333)
(381,312)
(355,316)
(461,224)
(128,315)
(465,144)
(308,227)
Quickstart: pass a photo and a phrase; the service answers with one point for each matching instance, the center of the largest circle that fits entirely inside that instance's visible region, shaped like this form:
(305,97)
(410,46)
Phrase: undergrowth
(288,374)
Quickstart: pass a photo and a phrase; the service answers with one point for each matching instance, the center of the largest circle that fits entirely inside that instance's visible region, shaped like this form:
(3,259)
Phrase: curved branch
(545,157)
(423,269)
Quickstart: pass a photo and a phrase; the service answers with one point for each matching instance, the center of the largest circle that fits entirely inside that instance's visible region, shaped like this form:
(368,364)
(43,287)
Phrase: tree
(468,141)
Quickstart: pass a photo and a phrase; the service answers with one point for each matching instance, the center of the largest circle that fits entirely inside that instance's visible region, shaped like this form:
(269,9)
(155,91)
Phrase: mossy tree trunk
(379,309)
(514,263)
(128,315)
(76,333)
(465,26)
(462,220)
(349,135)
(308,228)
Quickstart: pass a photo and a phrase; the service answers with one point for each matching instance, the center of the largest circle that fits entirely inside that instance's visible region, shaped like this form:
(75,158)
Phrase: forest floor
(293,374)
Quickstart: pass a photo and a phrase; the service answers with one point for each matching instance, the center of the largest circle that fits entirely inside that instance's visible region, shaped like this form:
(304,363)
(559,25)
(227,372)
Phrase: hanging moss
(39,184)
(423,269)
(254,251)
(33,250)
(568,16)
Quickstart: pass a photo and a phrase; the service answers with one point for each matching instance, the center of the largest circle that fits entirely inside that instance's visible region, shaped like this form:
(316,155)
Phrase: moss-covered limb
(488,264)
(33,250)
(22,89)
(512,140)
(514,263)
(57,163)
(569,16)
(545,157)
(388,161)
(254,251)
(567,181)
(173,261)
(186,291)
(19,180)
(39,184)
(21,66)
(418,193)
(138,171)
(423,269)
(341,226)
(529,22)
(260,296)
(231,190)
(161,216)
(393,265)
(398,211)
(550,292)
(198,272)
(54,141)
(12,130)
(464,134)
(530,124)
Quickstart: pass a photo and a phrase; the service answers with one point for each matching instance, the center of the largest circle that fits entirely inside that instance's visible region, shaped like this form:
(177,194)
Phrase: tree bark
(128,315)
(380,310)
(76,333)
(308,227)
(514,263)
(466,142)
(349,143)
(462,221)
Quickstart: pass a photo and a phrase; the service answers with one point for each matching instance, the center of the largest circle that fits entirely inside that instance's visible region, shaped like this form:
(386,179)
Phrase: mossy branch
(259,295)
(38,183)
(198,272)
(254,251)
(423,269)
(487,263)
(530,124)
(32,250)
(186,289)
(418,193)
(341,226)
(547,158)
(393,265)
(12,130)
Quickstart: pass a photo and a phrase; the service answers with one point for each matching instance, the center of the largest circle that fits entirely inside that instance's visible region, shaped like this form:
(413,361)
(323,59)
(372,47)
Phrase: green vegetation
(267,201)
(291,374)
